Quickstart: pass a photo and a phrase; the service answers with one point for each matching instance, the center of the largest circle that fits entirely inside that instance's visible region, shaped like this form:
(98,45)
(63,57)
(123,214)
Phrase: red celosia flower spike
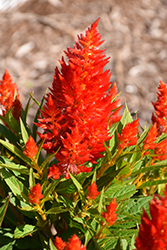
(79,108)
(110,216)
(31,149)
(35,194)
(59,243)
(161,151)
(149,142)
(129,134)
(54,172)
(73,244)
(153,231)
(16,108)
(92,191)
(8,90)
(160,107)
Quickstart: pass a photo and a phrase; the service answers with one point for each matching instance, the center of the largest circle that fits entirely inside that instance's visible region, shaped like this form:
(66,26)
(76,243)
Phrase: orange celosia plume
(92,191)
(31,149)
(110,216)
(160,107)
(35,194)
(8,91)
(80,106)
(128,136)
(73,244)
(153,231)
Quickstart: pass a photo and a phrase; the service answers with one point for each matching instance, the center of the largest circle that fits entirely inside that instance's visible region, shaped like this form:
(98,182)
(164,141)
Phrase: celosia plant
(84,181)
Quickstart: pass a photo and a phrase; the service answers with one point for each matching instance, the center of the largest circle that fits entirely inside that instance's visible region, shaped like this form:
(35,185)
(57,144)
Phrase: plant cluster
(82,176)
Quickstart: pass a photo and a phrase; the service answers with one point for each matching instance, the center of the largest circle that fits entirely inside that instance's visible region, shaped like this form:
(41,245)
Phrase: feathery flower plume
(59,243)
(110,216)
(54,172)
(35,194)
(160,107)
(149,142)
(153,231)
(31,149)
(73,244)
(128,136)
(92,191)
(161,151)
(16,108)
(8,90)
(81,105)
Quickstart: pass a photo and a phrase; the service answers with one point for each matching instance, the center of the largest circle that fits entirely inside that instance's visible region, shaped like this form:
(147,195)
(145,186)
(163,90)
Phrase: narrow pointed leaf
(51,245)
(12,148)
(24,133)
(23,230)
(17,187)
(3,210)
(76,183)
(8,134)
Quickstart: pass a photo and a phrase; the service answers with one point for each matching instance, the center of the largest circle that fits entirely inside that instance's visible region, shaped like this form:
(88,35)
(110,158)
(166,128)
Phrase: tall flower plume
(8,91)
(128,136)
(153,231)
(81,105)
(73,244)
(35,194)
(110,216)
(160,106)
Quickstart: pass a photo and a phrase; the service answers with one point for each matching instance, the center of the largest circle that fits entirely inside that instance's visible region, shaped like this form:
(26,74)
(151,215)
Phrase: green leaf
(23,230)
(50,188)
(10,121)
(31,178)
(12,148)
(28,242)
(35,127)
(27,107)
(56,210)
(156,166)
(118,245)
(94,245)
(152,183)
(15,167)
(8,134)
(101,201)
(17,187)
(24,133)
(6,237)
(8,246)
(51,245)
(76,183)
(3,210)
(47,160)
(126,117)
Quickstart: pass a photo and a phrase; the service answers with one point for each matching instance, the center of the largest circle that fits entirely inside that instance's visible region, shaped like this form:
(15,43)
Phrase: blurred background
(34,33)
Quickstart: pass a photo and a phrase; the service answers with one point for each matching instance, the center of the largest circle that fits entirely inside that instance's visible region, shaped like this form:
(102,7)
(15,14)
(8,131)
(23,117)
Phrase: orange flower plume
(35,194)
(149,142)
(153,231)
(73,244)
(54,172)
(80,106)
(31,149)
(8,91)
(129,134)
(110,216)
(160,107)
(92,191)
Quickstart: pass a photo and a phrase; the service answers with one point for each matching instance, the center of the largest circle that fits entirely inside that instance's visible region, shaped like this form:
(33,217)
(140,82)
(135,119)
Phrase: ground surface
(34,35)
